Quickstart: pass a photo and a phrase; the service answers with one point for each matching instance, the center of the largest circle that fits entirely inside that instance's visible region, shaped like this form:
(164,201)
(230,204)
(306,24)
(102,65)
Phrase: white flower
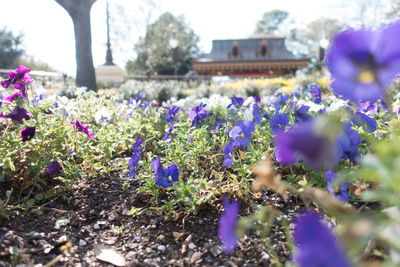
(102,116)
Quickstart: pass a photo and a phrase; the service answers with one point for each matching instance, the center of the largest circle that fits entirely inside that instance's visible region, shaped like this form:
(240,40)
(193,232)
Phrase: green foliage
(154,54)
(9,49)
(271,22)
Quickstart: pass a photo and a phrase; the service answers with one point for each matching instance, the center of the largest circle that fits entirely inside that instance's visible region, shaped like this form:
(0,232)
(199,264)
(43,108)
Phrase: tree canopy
(153,52)
(271,21)
(9,49)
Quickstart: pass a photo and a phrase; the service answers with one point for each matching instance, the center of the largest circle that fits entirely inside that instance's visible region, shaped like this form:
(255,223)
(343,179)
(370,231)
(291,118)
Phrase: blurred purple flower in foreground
(82,128)
(227,225)
(164,177)
(301,142)
(28,133)
(316,245)
(340,192)
(364,62)
(54,167)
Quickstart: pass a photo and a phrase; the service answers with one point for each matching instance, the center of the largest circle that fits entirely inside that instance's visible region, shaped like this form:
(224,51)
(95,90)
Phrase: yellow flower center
(169,179)
(366,76)
(243,136)
(230,155)
(337,190)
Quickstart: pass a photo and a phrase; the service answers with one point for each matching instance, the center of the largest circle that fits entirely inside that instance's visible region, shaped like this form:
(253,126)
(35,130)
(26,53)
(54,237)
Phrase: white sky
(48,31)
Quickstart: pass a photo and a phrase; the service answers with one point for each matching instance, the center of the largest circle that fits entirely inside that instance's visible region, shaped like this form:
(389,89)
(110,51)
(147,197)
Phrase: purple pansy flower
(228,153)
(217,124)
(242,131)
(315,92)
(198,115)
(347,144)
(302,142)
(12,97)
(164,177)
(257,114)
(139,142)
(170,130)
(301,114)
(133,163)
(172,113)
(257,99)
(316,245)
(369,124)
(340,192)
(237,102)
(279,122)
(281,100)
(54,167)
(17,115)
(82,128)
(364,62)
(28,133)
(227,225)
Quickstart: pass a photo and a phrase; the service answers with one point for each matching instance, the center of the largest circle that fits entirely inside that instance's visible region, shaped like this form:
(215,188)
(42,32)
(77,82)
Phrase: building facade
(249,57)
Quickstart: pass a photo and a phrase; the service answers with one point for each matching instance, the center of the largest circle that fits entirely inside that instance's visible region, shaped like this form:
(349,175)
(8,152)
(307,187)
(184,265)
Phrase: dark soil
(96,210)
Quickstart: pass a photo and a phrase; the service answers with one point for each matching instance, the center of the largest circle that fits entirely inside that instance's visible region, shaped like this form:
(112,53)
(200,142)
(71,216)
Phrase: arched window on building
(263,51)
(235,51)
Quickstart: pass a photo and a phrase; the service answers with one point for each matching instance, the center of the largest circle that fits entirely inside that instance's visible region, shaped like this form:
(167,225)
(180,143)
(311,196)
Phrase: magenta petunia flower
(227,225)
(28,133)
(364,62)
(82,128)
(316,245)
(17,115)
(17,76)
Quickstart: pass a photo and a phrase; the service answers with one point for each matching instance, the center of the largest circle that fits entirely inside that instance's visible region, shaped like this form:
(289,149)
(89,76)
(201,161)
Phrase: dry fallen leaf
(109,255)
(178,235)
(266,177)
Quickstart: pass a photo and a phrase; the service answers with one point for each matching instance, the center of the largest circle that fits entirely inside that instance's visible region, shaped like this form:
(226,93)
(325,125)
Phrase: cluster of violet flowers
(362,64)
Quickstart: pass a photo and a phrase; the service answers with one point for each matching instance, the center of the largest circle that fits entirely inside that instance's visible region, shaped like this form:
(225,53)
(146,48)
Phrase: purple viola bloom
(172,113)
(28,133)
(164,177)
(227,225)
(82,128)
(139,142)
(228,153)
(170,130)
(237,102)
(367,107)
(15,76)
(257,114)
(364,62)
(369,124)
(279,122)
(315,92)
(242,131)
(302,142)
(217,124)
(198,115)
(281,100)
(133,163)
(17,115)
(257,99)
(315,243)
(54,167)
(347,144)
(301,114)
(340,192)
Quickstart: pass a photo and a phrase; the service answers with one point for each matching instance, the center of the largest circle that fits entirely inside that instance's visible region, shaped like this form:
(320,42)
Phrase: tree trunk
(79,11)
